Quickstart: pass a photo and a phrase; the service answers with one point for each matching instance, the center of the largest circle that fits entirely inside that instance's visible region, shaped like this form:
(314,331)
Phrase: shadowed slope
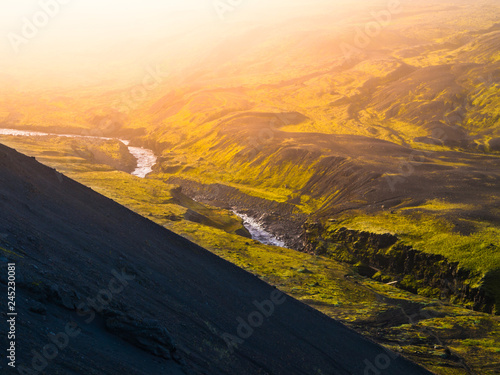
(69,240)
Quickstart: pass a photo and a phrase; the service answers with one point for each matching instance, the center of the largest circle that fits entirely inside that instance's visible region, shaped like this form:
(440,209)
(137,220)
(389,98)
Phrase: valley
(357,172)
(423,328)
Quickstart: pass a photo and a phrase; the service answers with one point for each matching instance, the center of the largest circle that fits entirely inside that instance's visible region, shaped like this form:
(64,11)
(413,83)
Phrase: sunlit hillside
(366,133)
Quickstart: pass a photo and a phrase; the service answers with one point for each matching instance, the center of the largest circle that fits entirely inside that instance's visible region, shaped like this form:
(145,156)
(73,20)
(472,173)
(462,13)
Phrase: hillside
(363,135)
(373,306)
(68,243)
(390,138)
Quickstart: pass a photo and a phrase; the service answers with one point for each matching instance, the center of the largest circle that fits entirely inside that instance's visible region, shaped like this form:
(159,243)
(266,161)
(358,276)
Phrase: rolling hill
(176,302)
(366,140)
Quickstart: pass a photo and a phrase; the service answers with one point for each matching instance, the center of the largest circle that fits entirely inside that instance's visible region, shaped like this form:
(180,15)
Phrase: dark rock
(494,144)
(173,217)
(429,141)
(63,297)
(243,232)
(147,334)
(303,270)
(364,270)
(38,308)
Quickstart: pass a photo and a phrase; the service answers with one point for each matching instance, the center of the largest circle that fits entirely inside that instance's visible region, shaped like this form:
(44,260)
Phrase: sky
(91,21)
(82,39)
(41,30)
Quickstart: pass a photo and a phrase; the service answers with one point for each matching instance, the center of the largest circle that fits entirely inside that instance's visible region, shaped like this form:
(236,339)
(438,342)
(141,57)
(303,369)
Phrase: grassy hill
(443,337)
(381,152)
(281,112)
(392,138)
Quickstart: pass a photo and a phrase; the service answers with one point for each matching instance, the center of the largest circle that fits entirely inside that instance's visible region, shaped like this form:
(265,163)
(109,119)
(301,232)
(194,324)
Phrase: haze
(90,42)
(345,152)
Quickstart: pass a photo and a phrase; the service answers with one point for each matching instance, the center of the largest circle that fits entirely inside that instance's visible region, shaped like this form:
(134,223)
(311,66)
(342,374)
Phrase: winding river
(146,159)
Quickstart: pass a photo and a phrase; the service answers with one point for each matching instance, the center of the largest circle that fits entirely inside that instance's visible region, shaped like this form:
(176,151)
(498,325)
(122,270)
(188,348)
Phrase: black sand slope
(145,300)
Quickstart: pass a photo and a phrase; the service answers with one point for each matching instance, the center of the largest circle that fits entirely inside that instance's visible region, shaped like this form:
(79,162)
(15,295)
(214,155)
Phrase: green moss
(429,292)
(11,253)
(329,286)
(431,234)
(441,206)
(379,276)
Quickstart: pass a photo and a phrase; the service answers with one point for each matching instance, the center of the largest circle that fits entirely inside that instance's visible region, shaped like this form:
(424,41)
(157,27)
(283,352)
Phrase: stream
(258,232)
(146,159)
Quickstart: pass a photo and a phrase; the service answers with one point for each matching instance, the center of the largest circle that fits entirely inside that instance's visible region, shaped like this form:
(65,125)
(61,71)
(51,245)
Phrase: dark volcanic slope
(73,240)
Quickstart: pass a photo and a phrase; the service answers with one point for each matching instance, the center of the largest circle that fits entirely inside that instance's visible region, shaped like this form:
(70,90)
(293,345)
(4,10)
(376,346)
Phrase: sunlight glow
(57,41)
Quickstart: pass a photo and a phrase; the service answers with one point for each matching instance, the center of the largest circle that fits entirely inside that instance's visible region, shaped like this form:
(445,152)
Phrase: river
(258,232)
(146,159)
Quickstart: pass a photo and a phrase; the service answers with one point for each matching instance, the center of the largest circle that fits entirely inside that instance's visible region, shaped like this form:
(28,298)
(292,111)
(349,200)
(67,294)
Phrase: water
(146,159)
(258,232)
(28,133)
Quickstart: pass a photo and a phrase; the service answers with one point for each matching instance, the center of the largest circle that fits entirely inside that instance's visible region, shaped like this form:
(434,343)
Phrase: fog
(111,43)
(60,42)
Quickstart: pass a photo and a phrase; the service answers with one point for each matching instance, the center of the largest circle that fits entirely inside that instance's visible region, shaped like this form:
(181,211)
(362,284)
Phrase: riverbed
(258,232)
(146,159)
